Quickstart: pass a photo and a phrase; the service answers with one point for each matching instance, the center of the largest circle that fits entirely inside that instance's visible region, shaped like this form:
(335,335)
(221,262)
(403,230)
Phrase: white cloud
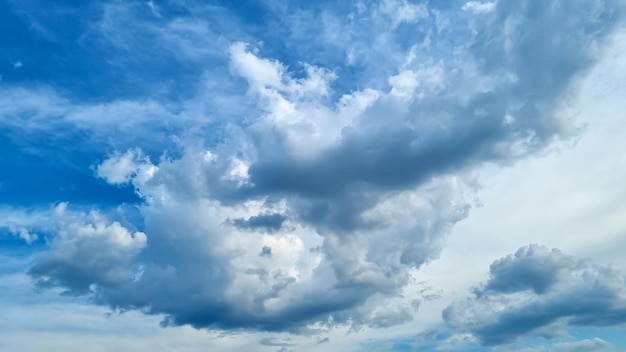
(587,345)
(402,11)
(260,73)
(153,8)
(23,233)
(122,168)
(88,249)
(478,7)
(416,84)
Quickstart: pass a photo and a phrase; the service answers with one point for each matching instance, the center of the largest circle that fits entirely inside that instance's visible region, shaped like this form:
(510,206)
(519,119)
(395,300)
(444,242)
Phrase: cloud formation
(88,249)
(540,292)
(306,205)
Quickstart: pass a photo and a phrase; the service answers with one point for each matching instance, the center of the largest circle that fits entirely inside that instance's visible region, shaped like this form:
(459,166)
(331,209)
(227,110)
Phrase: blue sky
(271,175)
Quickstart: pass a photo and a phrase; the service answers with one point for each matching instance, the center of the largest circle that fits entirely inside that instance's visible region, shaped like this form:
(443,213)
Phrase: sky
(272,175)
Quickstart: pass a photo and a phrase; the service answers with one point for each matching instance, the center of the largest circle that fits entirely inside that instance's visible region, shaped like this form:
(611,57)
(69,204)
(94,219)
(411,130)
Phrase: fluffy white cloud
(121,168)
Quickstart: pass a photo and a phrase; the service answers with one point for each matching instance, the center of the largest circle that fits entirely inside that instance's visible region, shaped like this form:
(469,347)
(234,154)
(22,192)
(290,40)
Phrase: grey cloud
(540,292)
(531,267)
(378,201)
(190,268)
(89,249)
(266,251)
(266,222)
(542,56)
(335,189)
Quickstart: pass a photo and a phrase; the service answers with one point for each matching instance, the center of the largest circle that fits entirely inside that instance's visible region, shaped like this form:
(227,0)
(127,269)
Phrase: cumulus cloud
(196,252)
(311,211)
(541,292)
(120,168)
(88,249)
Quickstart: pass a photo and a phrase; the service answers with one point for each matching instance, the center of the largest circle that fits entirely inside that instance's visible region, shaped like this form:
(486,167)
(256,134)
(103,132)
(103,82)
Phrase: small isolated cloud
(478,7)
(541,292)
(121,168)
(587,345)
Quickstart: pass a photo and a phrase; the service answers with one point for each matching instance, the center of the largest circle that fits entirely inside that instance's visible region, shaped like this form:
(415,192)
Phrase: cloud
(120,168)
(342,191)
(87,250)
(530,269)
(268,341)
(478,7)
(540,292)
(267,222)
(22,233)
(402,11)
(41,110)
(324,340)
(587,345)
